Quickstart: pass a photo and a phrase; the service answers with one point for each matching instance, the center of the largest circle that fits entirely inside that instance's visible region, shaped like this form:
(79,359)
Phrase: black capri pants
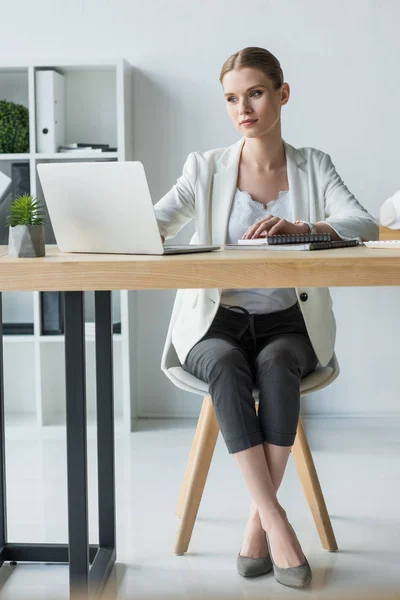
(240,351)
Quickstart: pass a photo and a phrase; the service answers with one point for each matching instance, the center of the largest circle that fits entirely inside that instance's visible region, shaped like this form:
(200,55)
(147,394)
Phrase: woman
(268,338)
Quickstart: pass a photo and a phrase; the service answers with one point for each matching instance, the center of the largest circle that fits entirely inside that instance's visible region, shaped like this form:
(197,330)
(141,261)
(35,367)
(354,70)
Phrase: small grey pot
(26,241)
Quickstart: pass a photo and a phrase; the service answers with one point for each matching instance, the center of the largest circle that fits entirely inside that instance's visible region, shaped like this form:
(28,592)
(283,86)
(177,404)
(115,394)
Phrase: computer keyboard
(388,244)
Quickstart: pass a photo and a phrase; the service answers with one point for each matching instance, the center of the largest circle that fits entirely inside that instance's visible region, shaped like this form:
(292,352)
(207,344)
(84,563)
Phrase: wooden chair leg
(190,463)
(200,458)
(312,489)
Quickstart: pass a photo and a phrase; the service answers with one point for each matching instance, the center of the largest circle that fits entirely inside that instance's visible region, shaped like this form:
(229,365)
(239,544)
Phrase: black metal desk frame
(89,565)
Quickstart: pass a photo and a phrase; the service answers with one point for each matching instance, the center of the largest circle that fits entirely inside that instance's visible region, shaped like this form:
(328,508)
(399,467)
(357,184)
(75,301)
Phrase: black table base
(89,565)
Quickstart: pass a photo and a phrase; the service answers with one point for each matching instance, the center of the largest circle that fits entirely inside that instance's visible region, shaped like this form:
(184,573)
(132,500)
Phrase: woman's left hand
(273,225)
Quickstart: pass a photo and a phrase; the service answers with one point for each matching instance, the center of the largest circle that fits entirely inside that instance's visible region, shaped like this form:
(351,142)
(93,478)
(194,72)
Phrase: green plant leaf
(25,210)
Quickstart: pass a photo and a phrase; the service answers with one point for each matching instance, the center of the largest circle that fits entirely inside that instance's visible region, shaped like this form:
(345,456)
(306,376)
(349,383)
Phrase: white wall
(341,61)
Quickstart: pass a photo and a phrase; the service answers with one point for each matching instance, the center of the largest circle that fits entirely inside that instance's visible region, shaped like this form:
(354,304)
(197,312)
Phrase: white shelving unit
(98,109)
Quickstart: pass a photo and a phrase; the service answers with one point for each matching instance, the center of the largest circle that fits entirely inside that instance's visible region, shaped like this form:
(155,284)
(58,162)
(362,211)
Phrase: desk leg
(77,553)
(105,426)
(83,580)
(3,509)
(76,442)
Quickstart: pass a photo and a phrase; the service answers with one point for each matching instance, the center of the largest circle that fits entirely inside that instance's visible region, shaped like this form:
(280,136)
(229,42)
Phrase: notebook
(288,238)
(309,241)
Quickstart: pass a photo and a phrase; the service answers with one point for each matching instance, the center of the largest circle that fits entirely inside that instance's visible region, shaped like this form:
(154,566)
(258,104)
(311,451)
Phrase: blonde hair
(256,58)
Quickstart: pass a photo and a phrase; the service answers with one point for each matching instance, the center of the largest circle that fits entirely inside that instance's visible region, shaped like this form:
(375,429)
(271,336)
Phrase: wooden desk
(75,273)
(358,266)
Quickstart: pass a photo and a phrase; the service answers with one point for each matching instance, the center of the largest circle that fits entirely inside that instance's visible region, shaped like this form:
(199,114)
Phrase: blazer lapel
(224,186)
(225,182)
(297,173)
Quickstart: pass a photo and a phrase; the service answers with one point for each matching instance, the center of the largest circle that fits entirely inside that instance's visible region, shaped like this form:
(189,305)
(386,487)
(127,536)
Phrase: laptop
(104,207)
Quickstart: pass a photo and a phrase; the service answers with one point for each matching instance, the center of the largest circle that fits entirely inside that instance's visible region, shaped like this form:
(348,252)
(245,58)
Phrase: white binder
(50,111)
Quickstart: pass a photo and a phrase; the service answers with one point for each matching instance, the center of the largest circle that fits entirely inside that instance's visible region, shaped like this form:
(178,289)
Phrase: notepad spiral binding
(334,244)
(298,238)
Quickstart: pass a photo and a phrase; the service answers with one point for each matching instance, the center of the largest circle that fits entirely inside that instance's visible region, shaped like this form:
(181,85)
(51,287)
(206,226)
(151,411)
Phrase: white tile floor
(358,462)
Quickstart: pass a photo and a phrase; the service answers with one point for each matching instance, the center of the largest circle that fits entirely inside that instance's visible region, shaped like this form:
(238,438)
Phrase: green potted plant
(26,222)
(14,127)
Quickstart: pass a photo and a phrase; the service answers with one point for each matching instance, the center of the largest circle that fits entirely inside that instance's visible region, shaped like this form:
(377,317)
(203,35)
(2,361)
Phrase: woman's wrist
(320,227)
(302,226)
(323,227)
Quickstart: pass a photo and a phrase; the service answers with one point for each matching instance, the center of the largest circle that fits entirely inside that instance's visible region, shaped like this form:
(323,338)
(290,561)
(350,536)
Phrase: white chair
(205,440)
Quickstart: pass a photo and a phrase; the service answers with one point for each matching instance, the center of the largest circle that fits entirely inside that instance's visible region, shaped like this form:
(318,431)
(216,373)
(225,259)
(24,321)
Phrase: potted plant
(26,221)
(14,128)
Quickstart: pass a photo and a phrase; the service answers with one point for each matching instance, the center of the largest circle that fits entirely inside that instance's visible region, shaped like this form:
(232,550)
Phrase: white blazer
(205,192)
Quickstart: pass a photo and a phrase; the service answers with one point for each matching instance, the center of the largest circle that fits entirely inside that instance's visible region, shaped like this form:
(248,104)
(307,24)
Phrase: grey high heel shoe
(299,576)
(253,567)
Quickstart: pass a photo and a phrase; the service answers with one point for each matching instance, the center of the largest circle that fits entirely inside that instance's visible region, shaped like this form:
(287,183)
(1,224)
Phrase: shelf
(90,328)
(89,337)
(17,339)
(75,155)
(13,69)
(58,155)
(17,329)
(102,63)
(98,97)
(16,156)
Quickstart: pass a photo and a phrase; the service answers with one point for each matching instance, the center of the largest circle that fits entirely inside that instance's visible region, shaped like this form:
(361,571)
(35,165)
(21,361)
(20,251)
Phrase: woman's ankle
(274,518)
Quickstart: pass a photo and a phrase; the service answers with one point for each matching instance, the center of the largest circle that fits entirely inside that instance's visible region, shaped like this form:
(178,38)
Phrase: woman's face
(249,95)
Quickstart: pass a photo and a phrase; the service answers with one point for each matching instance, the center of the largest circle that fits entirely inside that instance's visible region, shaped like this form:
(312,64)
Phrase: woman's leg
(254,543)
(280,365)
(285,546)
(222,364)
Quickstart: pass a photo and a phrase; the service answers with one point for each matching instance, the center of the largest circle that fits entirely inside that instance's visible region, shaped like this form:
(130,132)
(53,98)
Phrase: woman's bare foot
(254,542)
(285,547)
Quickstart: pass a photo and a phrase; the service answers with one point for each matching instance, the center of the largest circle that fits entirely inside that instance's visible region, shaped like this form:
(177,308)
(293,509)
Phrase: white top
(245,212)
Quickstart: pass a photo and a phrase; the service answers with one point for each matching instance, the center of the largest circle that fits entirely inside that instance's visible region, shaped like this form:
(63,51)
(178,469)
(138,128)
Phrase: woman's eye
(253,92)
